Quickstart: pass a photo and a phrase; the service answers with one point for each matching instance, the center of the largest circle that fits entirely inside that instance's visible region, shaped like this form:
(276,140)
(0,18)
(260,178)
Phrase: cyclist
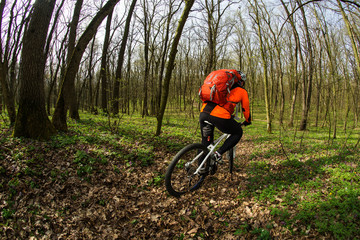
(213,115)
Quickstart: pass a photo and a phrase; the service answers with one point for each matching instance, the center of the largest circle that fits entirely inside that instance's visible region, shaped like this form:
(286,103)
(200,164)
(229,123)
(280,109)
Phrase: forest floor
(90,184)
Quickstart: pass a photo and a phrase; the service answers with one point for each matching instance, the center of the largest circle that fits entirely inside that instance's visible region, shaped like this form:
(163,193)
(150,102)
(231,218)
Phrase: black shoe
(215,158)
(213,169)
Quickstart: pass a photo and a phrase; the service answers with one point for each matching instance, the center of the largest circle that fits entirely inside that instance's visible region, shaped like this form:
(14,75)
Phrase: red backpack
(217,86)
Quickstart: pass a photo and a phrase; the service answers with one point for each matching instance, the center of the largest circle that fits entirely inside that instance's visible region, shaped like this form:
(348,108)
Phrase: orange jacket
(237,95)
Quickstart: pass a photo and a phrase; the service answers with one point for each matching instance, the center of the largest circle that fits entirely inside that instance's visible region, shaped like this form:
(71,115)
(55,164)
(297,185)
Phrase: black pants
(229,126)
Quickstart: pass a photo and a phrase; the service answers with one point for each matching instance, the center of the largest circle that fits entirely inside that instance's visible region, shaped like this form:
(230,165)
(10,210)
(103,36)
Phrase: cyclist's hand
(245,123)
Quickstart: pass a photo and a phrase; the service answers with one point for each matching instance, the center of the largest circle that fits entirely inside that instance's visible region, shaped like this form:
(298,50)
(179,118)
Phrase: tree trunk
(307,84)
(297,50)
(163,56)
(210,66)
(318,87)
(264,65)
(128,82)
(146,59)
(103,72)
(1,105)
(53,80)
(32,120)
(170,65)
(59,118)
(96,95)
(6,92)
(90,98)
(70,88)
(333,66)
(352,35)
(279,73)
(118,74)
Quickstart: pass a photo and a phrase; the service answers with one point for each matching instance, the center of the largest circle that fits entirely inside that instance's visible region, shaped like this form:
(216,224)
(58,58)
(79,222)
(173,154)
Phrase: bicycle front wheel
(180,177)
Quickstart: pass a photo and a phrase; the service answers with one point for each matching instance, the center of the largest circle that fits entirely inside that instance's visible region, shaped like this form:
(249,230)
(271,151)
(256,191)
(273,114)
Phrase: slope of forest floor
(93,184)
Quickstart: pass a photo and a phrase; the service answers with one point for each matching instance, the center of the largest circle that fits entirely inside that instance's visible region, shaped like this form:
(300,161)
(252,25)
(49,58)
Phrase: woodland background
(78,75)
(299,56)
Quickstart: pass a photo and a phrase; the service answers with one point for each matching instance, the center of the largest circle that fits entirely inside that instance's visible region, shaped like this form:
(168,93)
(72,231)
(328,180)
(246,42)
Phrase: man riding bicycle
(220,115)
(222,90)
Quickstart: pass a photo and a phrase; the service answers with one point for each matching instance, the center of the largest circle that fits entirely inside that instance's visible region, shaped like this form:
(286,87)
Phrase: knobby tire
(179,179)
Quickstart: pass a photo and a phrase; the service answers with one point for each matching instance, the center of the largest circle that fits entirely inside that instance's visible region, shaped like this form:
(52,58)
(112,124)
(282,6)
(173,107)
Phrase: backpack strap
(209,107)
(232,81)
(237,84)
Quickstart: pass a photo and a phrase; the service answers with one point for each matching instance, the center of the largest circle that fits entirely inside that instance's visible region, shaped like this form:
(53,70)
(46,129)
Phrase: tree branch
(290,15)
(351,2)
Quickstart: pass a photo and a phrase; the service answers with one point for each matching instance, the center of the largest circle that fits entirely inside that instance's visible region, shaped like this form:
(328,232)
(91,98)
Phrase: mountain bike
(185,173)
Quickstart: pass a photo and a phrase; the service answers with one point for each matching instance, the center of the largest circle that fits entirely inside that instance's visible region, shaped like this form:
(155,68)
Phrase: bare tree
(32,120)
(103,72)
(70,87)
(257,20)
(295,74)
(331,50)
(274,37)
(90,77)
(215,27)
(354,44)
(9,53)
(307,74)
(120,62)
(170,64)
(318,76)
(59,117)
(164,50)
(60,60)
(147,22)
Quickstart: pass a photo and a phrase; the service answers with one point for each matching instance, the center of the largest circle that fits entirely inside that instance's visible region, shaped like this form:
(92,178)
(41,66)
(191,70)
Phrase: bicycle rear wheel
(180,177)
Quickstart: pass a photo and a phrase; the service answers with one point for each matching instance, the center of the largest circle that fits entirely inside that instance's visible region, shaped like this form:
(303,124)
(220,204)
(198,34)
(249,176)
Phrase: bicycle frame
(211,148)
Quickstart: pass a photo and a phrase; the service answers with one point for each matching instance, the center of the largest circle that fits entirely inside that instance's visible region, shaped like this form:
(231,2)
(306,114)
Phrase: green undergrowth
(311,180)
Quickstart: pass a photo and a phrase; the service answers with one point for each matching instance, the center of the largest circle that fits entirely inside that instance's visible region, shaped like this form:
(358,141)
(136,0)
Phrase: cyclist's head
(243,77)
